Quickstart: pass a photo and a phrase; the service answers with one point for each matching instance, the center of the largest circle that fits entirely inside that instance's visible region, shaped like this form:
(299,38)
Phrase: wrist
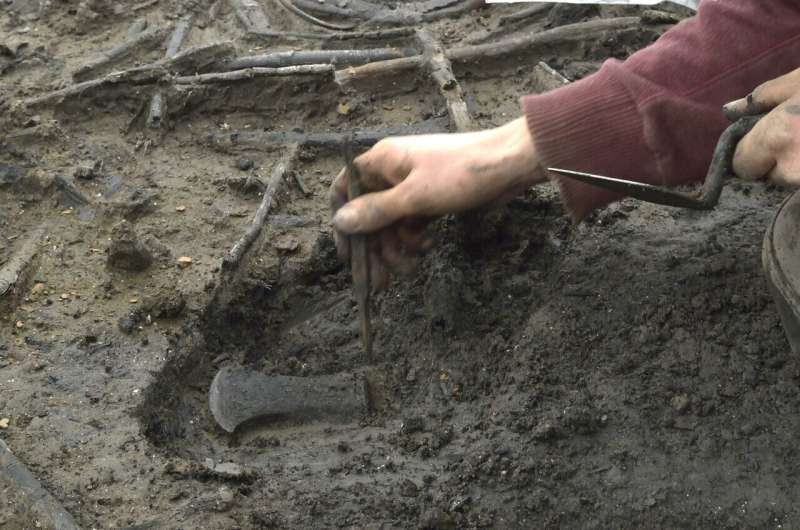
(516,153)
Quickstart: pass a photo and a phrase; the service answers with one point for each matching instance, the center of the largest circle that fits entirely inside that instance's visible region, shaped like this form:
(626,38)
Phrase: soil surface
(630,371)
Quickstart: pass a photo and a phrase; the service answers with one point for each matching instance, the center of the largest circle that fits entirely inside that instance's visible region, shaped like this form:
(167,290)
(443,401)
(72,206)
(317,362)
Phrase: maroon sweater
(657,116)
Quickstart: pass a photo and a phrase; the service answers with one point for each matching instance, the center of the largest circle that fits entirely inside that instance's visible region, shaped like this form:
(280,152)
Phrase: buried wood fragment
(117,53)
(439,68)
(250,14)
(194,59)
(378,35)
(302,57)
(16,271)
(289,6)
(155,115)
(138,26)
(28,495)
(250,73)
(231,261)
(528,43)
(463,6)
(534,10)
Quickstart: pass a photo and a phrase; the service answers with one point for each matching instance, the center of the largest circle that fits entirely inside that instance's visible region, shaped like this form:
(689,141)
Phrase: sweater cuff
(591,125)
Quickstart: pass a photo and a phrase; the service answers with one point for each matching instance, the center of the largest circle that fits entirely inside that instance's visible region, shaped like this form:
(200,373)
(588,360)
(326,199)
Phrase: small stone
(4,423)
(412,425)
(680,402)
(180,209)
(408,488)
(64,296)
(89,170)
(38,289)
(20,324)
(245,164)
(343,108)
(184,261)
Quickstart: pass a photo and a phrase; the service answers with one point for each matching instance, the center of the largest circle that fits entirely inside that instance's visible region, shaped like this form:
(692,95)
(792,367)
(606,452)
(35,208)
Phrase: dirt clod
(126,251)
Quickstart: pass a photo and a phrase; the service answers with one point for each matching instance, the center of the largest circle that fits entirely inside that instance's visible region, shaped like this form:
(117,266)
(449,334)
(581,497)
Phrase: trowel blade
(637,190)
(239,394)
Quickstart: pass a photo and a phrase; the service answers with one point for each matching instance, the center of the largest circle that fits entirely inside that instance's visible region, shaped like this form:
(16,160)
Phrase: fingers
(386,164)
(373,211)
(765,97)
(755,155)
(338,197)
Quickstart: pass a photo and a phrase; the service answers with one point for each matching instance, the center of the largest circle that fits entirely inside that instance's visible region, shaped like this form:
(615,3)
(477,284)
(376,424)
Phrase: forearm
(657,116)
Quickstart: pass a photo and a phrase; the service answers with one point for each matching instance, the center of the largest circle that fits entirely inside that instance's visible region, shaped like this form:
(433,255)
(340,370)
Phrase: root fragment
(232,260)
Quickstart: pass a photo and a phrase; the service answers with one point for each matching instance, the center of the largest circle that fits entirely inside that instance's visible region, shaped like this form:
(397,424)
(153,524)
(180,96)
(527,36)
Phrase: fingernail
(734,109)
(345,219)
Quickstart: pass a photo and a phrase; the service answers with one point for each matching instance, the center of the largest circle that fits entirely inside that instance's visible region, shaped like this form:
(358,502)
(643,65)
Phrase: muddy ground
(630,371)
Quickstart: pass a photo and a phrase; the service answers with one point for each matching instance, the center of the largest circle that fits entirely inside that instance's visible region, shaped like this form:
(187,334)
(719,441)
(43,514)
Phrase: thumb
(765,97)
(372,211)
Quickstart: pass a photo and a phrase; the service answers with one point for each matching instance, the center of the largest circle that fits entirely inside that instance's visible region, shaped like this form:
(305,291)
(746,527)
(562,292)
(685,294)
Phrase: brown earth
(630,371)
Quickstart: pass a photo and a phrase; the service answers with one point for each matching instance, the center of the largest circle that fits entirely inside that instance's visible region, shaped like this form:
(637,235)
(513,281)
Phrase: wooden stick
(120,52)
(289,6)
(179,35)
(449,12)
(158,104)
(534,10)
(250,14)
(250,73)
(15,272)
(439,68)
(196,58)
(25,489)
(529,43)
(289,36)
(232,260)
(537,41)
(301,57)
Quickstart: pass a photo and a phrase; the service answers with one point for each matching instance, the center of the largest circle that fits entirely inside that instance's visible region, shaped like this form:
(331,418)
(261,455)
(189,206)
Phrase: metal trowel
(720,167)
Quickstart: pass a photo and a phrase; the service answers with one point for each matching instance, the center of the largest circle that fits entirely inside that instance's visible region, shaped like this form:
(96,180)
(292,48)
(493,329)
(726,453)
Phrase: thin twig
(289,6)
(250,73)
(379,35)
(439,68)
(232,260)
(302,57)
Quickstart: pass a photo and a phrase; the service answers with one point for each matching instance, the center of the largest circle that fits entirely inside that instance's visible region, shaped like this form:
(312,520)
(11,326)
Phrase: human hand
(411,180)
(772,149)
